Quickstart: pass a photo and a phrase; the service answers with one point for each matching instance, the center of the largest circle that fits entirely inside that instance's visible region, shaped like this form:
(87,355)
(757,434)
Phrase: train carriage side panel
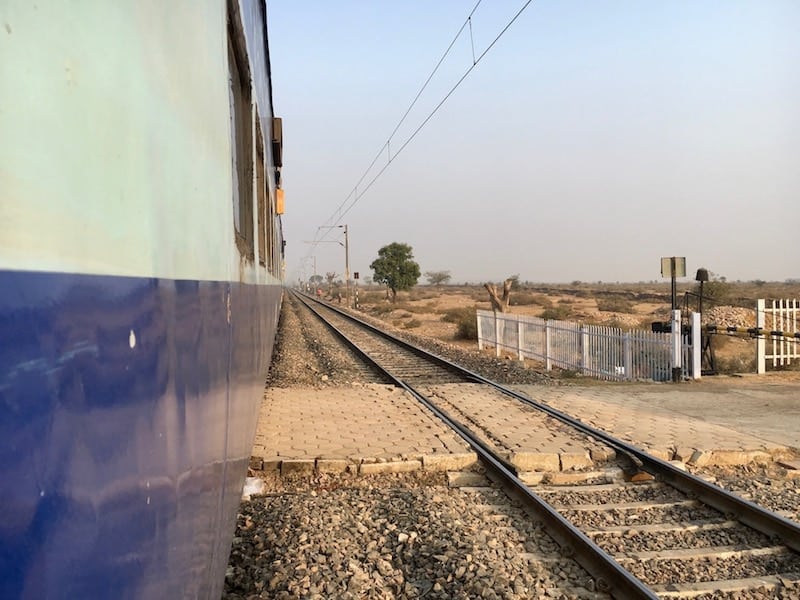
(134,332)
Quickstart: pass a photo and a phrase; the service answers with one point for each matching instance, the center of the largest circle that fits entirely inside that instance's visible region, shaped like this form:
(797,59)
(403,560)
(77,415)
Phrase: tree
(716,288)
(395,268)
(330,277)
(437,277)
(315,279)
(500,304)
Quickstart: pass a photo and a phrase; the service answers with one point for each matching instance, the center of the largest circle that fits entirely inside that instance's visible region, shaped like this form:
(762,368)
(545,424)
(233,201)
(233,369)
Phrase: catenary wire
(333,220)
(359,195)
(386,145)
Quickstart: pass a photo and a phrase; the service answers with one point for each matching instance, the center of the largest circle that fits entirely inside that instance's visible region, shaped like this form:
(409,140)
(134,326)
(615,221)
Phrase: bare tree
(499,303)
(330,277)
(437,277)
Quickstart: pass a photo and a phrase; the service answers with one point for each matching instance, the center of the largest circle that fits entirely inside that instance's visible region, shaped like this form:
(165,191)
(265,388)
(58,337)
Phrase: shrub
(371,297)
(615,304)
(418,294)
(382,309)
(412,324)
(466,321)
(527,298)
(411,308)
(453,315)
(557,313)
(467,329)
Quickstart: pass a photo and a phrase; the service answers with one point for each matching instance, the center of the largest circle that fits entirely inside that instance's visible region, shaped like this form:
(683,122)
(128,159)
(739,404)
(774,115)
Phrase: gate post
(480,333)
(676,346)
(519,340)
(761,341)
(697,350)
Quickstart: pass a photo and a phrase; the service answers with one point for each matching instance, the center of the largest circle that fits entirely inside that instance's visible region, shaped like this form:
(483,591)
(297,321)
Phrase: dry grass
(448,312)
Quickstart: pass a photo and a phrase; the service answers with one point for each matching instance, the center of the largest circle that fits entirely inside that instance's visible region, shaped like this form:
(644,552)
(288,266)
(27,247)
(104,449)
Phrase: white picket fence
(782,315)
(604,352)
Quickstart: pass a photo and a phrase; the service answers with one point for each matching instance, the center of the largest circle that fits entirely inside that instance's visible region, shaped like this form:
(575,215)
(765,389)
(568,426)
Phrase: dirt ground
(433,311)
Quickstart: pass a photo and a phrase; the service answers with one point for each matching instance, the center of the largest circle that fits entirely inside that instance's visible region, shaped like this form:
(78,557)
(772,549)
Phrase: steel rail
(610,576)
(733,506)
(419,352)
(340,334)
(442,362)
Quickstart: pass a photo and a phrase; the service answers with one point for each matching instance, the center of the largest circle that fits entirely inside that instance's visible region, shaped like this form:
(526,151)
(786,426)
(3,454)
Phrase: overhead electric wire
(354,193)
(385,146)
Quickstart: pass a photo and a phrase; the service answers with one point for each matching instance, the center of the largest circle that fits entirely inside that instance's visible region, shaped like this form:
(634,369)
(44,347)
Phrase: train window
(241,136)
(261,194)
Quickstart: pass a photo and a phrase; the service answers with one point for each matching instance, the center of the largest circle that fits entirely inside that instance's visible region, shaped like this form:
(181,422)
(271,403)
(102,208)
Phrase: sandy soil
(421,311)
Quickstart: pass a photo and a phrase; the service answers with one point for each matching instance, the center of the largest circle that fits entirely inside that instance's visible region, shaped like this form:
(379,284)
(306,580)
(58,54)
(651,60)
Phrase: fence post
(791,325)
(480,332)
(584,349)
(548,363)
(697,350)
(779,321)
(496,335)
(519,340)
(676,346)
(761,342)
(627,356)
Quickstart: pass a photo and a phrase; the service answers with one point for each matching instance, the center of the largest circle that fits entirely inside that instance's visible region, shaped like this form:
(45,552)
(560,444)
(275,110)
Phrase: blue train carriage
(141,259)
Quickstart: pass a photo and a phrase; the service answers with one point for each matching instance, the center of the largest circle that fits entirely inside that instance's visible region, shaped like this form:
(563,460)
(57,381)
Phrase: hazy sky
(594,137)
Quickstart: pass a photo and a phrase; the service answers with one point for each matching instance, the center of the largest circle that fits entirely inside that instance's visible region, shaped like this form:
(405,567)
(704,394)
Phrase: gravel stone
(409,535)
(766,485)
(340,537)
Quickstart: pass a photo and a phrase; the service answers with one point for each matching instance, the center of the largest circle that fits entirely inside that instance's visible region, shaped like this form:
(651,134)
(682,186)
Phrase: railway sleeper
(719,553)
(768,583)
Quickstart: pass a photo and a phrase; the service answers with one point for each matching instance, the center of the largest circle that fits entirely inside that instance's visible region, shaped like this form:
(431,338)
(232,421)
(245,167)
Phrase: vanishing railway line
(671,536)
(384,354)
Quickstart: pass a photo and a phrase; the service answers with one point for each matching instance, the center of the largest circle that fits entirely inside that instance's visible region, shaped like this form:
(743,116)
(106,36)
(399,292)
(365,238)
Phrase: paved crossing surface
(380,428)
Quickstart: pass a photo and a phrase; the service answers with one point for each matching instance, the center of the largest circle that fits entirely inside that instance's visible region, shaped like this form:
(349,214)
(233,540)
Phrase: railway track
(405,362)
(673,535)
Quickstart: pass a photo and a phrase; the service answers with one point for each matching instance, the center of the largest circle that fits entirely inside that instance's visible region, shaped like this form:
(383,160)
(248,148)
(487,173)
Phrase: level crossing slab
(724,415)
(373,428)
(345,426)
